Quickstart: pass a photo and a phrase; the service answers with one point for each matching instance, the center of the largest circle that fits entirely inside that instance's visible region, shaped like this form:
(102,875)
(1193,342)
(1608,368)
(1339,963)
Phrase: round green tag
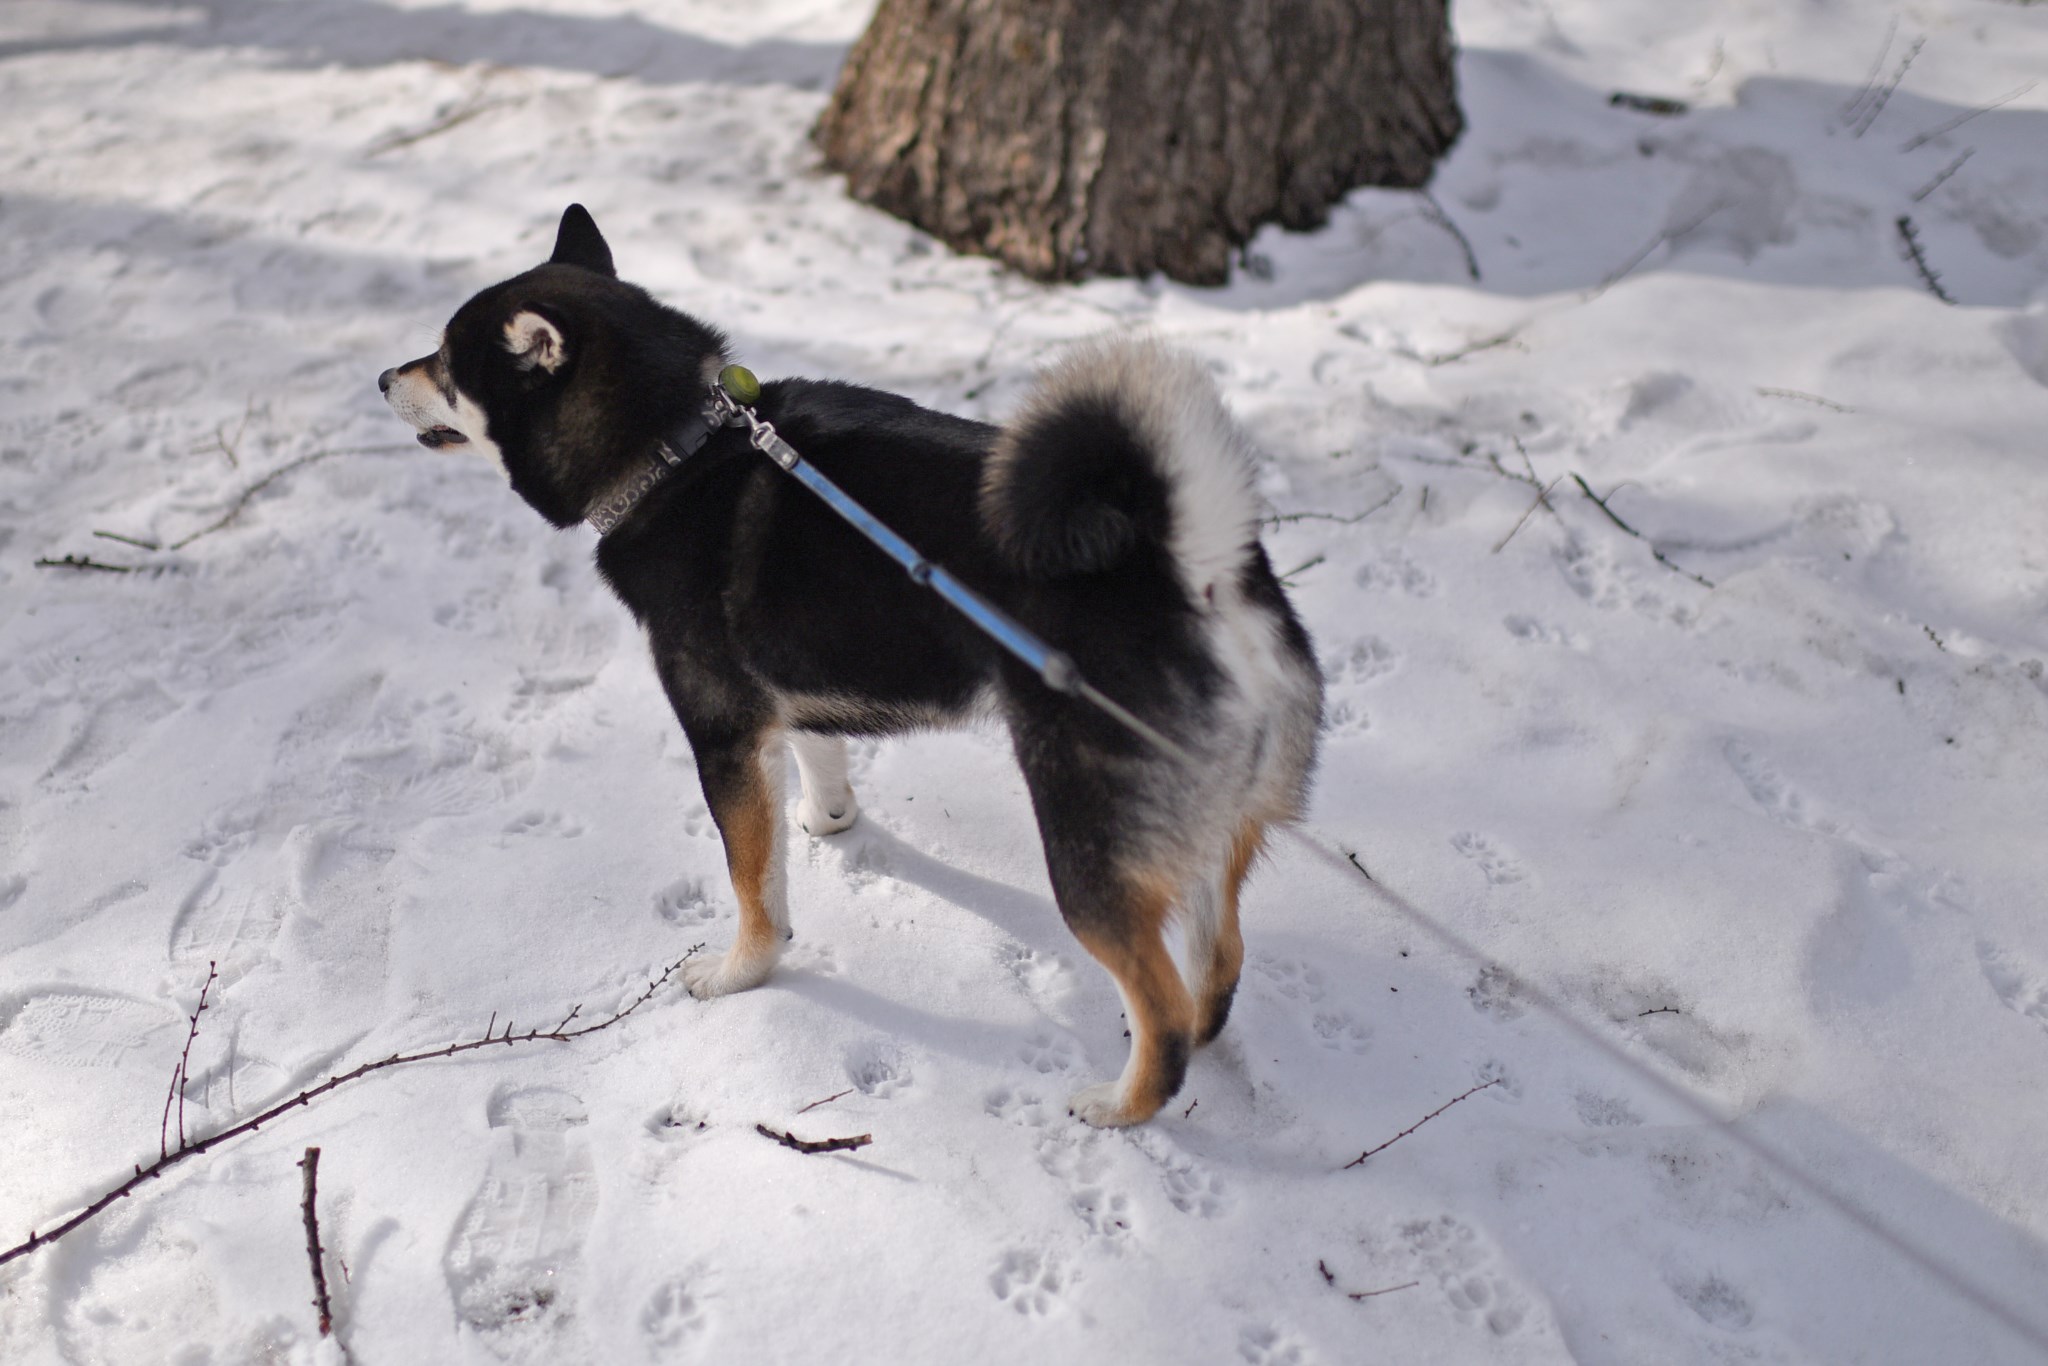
(739,382)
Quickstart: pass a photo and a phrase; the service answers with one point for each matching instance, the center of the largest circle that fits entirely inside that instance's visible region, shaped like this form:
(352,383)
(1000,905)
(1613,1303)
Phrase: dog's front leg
(827,805)
(742,778)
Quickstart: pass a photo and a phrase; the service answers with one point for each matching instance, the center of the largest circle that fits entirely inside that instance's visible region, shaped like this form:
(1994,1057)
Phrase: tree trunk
(1069,138)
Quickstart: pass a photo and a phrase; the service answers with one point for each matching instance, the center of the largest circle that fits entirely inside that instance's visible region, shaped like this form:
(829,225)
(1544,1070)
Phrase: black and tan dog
(1114,516)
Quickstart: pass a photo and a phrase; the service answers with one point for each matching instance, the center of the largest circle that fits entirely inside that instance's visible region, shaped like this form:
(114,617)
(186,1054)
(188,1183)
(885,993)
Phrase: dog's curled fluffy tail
(1122,444)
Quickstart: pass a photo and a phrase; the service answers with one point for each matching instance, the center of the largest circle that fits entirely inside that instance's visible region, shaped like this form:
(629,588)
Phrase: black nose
(384,381)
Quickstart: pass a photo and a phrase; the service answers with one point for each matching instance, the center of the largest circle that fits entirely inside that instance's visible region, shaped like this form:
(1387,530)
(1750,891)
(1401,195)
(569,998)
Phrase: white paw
(827,817)
(1103,1106)
(736,971)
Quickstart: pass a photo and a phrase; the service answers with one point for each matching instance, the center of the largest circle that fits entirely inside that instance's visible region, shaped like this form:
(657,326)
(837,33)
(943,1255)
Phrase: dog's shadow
(1029,917)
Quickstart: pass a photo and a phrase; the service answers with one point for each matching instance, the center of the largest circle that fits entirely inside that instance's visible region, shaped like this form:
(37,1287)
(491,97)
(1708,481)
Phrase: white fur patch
(1177,413)
(415,397)
(1262,733)
(471,422)
(827,805)
(534,341)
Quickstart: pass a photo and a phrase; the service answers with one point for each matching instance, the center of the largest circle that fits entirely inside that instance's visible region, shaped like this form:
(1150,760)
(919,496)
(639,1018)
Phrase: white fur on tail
(1204,455)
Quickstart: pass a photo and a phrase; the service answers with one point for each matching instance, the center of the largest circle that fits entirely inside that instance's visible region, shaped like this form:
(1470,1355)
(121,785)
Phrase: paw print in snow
(1107,1215)
(1370,658)
(1192,1190)
(1342,1032)
(1494,863)
(1596,1111)
(1717,1302)
(1019,1107)
(1493,993)
(1463,1267)
(1029,1282)
(1342,719)
(685,903)
(674,1314)
(1264,1345)
(1295,981)
(551,824)
(1534,632)
(877,1069)
(1396,573)
(1048,1053)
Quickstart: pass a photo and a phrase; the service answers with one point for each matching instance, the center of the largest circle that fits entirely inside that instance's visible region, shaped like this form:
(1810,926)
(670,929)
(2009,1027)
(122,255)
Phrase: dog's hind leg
(1216,944)
(827,805)
(1123,925)
(742,780)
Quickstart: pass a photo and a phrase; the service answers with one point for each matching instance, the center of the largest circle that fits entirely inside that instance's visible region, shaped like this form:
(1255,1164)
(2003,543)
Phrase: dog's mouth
(433,438)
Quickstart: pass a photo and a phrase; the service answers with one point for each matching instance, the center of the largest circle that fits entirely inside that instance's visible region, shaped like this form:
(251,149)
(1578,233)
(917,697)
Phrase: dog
(1114,517)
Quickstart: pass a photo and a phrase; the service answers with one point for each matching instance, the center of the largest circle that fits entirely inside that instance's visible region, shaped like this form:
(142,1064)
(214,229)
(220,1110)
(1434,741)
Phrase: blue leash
(737,390)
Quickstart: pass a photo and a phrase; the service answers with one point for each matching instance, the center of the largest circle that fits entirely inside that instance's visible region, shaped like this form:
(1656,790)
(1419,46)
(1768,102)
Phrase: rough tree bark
(1120,137)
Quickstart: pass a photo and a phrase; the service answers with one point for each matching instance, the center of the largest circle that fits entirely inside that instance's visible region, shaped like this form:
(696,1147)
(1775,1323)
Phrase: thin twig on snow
(814,1145)
(1360,1159)
(156,1169)
(84,562)
(827,1100)
(1615,518)
(1915,143)
(310,1165)
(1941,177)
(1910,235)
(1436,214)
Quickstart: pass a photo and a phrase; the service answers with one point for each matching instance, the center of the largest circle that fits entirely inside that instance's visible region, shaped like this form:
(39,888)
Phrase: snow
(382,747)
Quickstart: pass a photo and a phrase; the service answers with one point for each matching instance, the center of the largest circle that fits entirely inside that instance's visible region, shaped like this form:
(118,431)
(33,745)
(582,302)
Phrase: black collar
(682,442)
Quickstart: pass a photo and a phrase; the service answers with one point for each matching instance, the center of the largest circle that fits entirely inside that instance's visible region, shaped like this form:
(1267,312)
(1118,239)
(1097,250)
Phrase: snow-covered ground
(382,747)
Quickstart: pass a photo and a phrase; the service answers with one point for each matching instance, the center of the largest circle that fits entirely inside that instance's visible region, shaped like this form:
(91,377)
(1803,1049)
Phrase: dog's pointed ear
(579,243)
(535,342)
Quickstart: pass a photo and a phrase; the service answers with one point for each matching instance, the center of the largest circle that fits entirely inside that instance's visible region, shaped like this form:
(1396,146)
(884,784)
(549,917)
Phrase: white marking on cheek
(471,422)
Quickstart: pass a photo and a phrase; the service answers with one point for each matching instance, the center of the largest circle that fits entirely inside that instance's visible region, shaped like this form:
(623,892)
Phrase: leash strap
(732,400)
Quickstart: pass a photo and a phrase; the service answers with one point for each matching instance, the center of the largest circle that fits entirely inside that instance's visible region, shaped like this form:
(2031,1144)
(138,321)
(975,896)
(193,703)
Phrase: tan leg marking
(751,824)
(1226,961)
(1156,1001)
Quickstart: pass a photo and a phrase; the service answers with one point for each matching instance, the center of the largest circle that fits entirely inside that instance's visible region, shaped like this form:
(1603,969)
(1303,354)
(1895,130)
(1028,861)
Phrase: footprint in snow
(1715,1301)
(1394,572)
(2019,987)
(1264,1345)
(1040,972)
(514,1264)
(1028,1282)
(675,1315)
(1342,1031)
(1534,632)
(1048,1053)
(687,903)
(549,824)
(1363,662)
(1592,570)
(1344,719)
(1294,980)
(1466,1270)
(877,1068)
(1016,1106)
(1105,1214)
(1194,1191)
(231,928)
(1493,993)
(1498,866)
(83,1028)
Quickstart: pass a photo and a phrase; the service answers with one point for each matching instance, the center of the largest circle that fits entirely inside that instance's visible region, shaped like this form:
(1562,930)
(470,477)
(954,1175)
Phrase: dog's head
(565,375)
